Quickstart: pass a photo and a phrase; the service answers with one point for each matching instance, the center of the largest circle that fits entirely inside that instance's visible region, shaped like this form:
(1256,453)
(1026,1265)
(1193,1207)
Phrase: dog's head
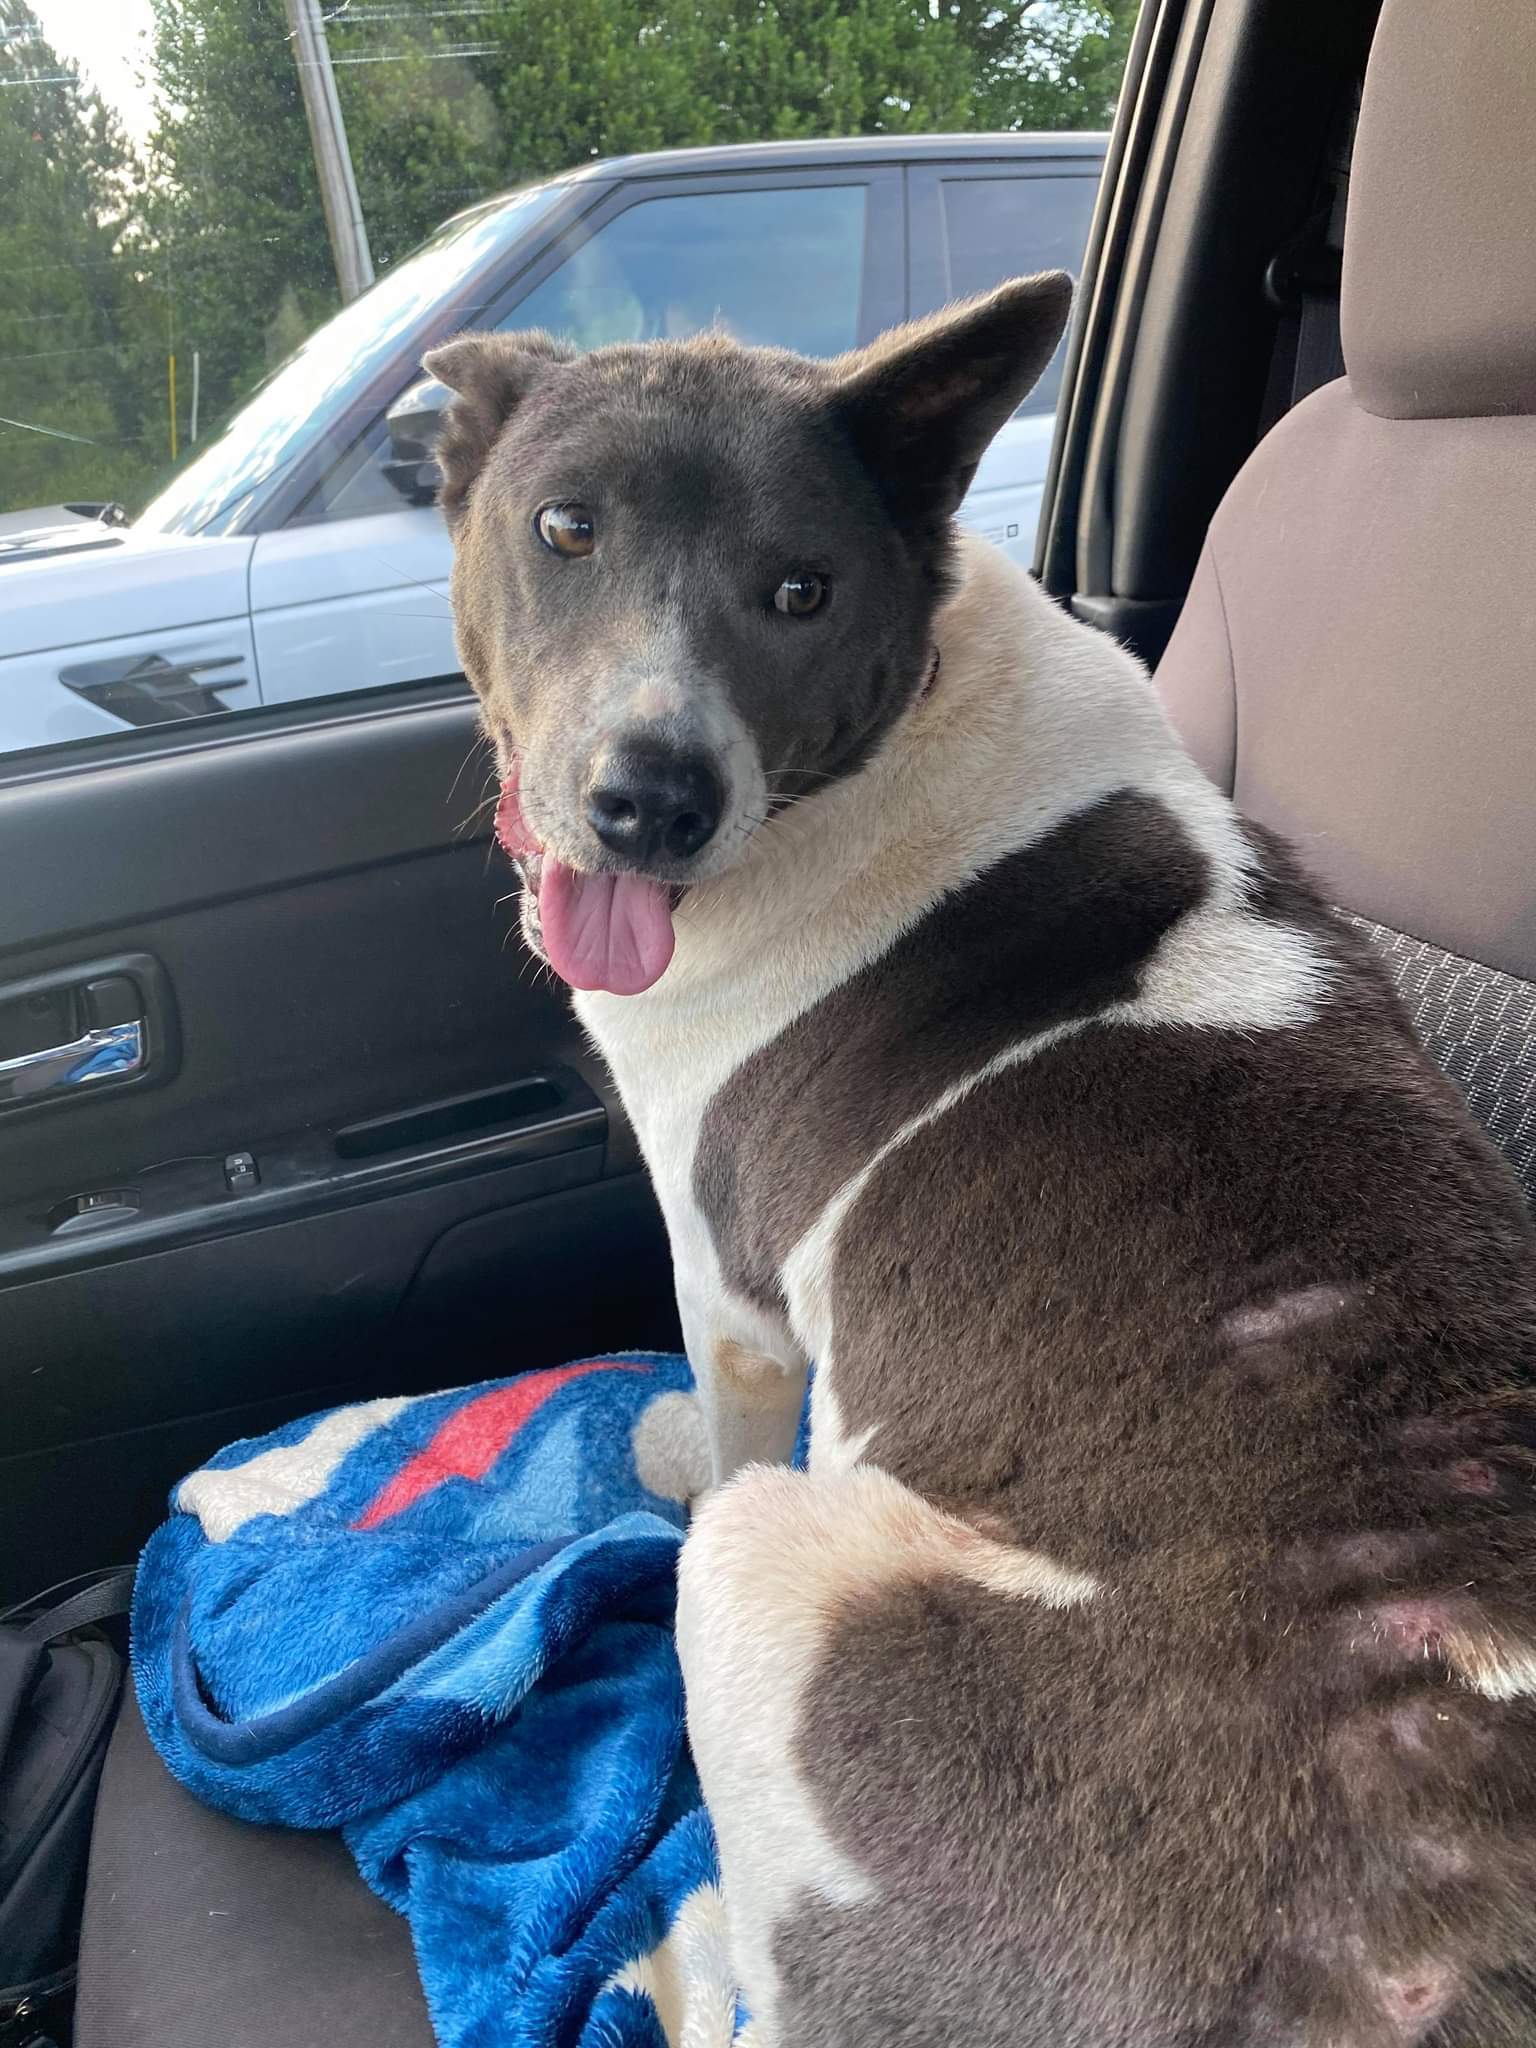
(695,581)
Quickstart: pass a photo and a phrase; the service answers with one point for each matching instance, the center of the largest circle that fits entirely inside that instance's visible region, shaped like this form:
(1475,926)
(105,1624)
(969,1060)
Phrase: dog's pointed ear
(923,402)
(490,375)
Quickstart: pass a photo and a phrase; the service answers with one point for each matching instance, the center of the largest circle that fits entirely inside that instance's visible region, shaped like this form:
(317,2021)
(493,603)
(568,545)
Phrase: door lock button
(241,1172)
(94,1211)
(113,1000)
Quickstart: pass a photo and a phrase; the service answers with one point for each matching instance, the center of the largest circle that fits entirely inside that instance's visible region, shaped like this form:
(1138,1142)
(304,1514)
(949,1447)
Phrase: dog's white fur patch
(1493,1665)
(1034,718)
(1484,1656)
(690,1978)
(670,1445)
(1286,1314)
(773,1560)
(833,1446)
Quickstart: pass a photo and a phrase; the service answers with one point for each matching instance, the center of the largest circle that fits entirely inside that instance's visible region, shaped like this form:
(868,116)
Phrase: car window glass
(781,268)
(336,362)
(669,267)
(213,503)
(996,228)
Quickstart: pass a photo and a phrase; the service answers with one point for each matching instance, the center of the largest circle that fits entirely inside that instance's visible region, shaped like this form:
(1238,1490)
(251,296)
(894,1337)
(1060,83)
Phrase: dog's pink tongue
(610,932)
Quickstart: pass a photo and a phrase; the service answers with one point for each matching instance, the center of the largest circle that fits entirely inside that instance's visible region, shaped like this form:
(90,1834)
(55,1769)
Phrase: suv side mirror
(413,421)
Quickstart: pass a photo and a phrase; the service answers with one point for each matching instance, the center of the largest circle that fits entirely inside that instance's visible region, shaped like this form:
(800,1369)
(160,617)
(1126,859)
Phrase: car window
(665,268)
(338,360)
(995,228)
(781,268)
(225,247)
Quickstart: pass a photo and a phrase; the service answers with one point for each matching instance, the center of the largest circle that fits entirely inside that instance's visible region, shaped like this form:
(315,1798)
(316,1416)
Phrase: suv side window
(782,267)
(992,227)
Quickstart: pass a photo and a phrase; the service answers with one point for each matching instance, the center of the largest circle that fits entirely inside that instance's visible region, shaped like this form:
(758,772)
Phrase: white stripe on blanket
(278,1481)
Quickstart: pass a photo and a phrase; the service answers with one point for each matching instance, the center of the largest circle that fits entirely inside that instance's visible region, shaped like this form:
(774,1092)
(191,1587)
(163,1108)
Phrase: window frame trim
(928,236)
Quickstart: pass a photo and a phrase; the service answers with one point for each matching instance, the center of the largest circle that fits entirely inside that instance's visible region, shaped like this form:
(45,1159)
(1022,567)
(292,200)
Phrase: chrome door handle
(101,1055)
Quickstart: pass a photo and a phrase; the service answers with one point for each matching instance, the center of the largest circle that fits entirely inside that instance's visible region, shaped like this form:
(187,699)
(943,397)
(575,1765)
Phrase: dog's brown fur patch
(741,1366)
(1049,934)
(1244,1326)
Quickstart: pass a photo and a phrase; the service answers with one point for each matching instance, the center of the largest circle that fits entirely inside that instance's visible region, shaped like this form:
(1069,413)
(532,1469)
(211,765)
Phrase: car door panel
(365,598)
(973,224)
(1003,503)
(60,694)
(445,1187)
(180,646)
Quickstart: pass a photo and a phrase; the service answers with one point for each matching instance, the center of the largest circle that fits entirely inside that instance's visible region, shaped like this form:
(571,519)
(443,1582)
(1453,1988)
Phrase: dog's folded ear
(923,401)
(490,375)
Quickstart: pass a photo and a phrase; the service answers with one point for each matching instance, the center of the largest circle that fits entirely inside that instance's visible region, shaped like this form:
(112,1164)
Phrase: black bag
(59,1683)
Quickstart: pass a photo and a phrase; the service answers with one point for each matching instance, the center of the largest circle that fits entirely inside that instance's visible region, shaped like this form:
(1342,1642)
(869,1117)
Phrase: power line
(52,433)
(424,56)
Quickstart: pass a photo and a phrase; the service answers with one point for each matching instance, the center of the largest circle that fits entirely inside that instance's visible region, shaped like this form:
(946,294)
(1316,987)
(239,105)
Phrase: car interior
(364,1148)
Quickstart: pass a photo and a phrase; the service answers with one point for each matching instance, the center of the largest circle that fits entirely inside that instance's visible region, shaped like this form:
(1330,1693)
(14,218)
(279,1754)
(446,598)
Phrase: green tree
(596,77)
(216,243)
(232,234)
(548,87)
(1045,64)
(423,126)
(71,377)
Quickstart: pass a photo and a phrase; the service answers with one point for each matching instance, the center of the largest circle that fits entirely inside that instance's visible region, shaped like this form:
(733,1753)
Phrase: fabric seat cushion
(201,1932)
(1354,660)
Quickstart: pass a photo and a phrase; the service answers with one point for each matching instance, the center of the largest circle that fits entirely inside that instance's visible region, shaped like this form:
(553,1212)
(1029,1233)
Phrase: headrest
(1439,305)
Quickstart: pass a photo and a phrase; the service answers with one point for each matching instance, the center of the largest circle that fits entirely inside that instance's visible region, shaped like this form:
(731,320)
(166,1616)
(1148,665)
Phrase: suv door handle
(146,689)
(115,1049)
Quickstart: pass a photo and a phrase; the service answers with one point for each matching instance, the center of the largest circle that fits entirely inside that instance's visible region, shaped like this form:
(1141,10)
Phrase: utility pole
(333,160)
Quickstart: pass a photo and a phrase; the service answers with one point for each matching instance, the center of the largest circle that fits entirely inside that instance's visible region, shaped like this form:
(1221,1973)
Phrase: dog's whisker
(486,803)
(444,598)
(475,744)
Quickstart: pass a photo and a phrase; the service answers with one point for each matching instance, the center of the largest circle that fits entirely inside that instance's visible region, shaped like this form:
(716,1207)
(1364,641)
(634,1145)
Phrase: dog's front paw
(671,1448)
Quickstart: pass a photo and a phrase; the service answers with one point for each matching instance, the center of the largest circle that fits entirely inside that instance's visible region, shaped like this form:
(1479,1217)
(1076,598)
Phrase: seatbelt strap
(97,1596)
(1302,282)
(1319,348)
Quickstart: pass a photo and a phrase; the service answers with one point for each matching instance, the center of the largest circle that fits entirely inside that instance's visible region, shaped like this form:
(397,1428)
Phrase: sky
(108,41)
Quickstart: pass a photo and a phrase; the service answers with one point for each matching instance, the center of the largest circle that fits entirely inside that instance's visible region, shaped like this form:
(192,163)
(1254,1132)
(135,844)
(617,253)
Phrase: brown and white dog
(1148,1657)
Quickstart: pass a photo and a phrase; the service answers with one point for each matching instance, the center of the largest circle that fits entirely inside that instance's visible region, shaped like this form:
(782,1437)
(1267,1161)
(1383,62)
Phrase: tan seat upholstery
(1356,662)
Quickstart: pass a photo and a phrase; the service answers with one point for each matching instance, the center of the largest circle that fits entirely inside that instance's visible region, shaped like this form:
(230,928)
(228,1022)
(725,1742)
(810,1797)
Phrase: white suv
(300,555)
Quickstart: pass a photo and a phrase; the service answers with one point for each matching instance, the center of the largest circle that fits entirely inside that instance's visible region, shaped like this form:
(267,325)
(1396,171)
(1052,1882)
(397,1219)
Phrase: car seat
(1356,660)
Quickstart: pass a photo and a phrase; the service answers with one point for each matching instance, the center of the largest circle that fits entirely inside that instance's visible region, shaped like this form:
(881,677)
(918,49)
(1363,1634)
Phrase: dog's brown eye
(801,594)
(566,529)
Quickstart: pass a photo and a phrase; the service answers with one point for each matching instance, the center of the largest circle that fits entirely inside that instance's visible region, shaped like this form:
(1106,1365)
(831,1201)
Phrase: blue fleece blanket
(444,1626)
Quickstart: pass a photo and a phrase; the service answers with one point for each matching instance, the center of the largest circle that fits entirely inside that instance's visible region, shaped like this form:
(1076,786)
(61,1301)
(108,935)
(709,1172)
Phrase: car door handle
(146,689)
(103,1054)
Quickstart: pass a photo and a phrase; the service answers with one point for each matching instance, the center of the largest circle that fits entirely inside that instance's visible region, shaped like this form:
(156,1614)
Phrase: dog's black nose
(646,804)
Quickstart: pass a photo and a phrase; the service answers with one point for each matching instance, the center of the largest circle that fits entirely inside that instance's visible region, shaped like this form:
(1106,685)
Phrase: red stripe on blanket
(468,1444)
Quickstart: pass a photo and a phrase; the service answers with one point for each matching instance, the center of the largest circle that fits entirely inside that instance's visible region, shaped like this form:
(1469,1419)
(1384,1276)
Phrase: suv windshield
(301,398)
